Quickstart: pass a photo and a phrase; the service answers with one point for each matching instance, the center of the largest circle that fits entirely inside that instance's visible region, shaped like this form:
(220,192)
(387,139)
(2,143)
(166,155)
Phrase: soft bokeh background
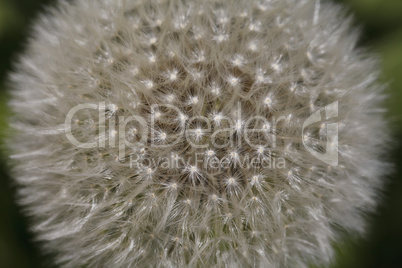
(381,23)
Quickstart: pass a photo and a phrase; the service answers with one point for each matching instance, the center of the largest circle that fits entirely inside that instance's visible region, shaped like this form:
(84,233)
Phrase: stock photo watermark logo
(239,131)
(330,156)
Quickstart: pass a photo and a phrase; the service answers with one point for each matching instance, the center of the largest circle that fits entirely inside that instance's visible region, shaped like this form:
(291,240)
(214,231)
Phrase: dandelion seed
(217,118)
(183,118)
(243,14)
(181,22)
(113,108)
(193,171)
(238,125)
(234,81)
(172,75)
(170,98)
(231,181)
(252,46)
(194,100)
(254,180)
(152,40)
(255,26)
(234,155)
(196,75)
(215,89)
(198,33)
(238,61)
(110,61)
(221,38)
(199,56)
(149,84)
(268,101)
(210,153)
(175,156)
(261,78)
(158,22)
(276,64)
(134,71)
(152,58)
(198,133)
(163,136)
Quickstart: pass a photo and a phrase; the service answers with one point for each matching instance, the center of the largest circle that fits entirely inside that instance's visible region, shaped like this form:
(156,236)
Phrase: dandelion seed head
(179,85)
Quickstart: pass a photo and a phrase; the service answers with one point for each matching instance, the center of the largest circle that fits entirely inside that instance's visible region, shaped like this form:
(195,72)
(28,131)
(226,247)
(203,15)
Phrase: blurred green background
(381,23)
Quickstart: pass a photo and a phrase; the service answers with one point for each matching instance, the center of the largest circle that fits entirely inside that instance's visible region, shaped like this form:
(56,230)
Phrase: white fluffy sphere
(196,133)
